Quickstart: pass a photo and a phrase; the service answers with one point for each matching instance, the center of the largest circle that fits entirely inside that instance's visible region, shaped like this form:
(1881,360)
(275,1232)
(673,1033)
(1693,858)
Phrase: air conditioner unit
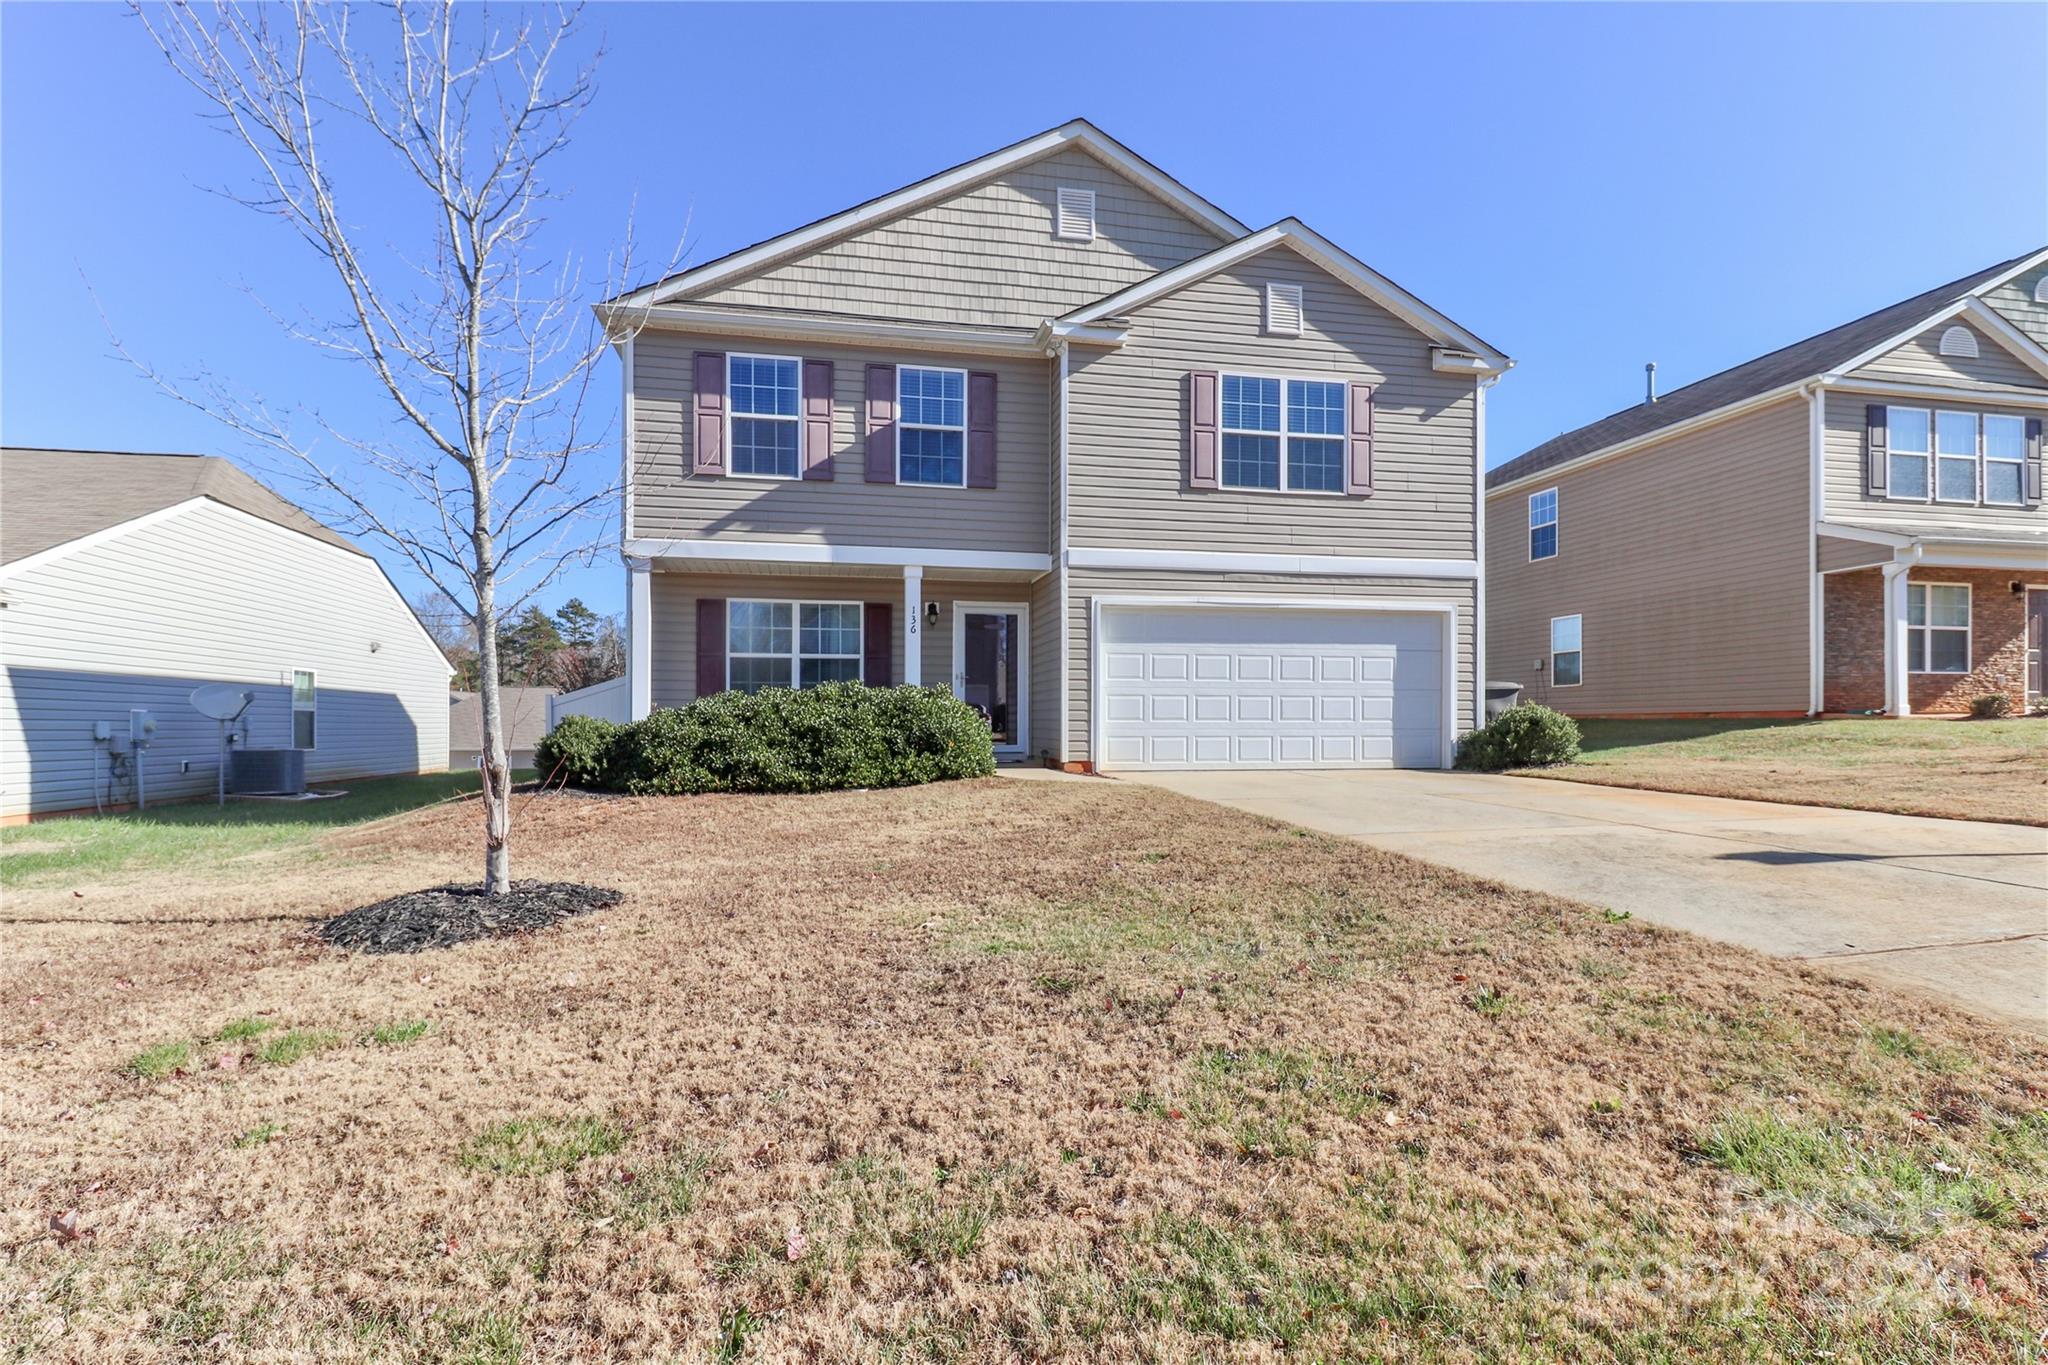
(268,772)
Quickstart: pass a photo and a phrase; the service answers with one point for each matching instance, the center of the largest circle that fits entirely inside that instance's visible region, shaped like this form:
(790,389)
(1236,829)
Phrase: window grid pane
(758,628)
(931,455)
(829,628)
(1315,465)
(1949,651)
(1949,605)
(1906,430)
(936,398)
(1908,476)
(1250,404)
(2003,481)
(751,674)
(1564,634)
(1543,508)
(1565,669)
(764,388)
(815,671)
(764,446)
(1955,433)
(1955,480)
(2005,438)
(1251,461)
(1543,541)
(1314,408)
(1916,604)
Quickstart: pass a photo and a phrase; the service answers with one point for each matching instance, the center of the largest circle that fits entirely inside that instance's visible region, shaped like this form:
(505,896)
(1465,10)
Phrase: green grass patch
(260,1134)
(241,1030)
(167,837)
(523,1147)
(294,1045)
(1268,1103)
(1906,1046)
(657,1192)
(155,1063)
(942,1218)
(399,1033)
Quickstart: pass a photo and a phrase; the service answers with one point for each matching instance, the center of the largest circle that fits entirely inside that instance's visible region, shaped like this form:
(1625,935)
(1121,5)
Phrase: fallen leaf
(447,1246)
(64,1226)
(796,1244)
(228,1061)
(1460,977)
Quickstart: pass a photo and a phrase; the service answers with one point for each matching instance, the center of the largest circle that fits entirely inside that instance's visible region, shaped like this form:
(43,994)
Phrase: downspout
(1479,551)
(1059,562)
(1816,496)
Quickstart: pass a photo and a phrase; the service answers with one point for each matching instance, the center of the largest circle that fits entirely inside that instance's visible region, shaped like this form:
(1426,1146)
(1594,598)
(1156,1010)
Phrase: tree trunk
(497,775)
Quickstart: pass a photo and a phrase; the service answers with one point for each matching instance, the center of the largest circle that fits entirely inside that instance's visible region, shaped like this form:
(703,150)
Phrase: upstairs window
(765,423)
(1567,658)
(1938,627)
(305,710)
(1955,457)
(791,644)
(1543,525)
(1909,438)
(931,426)
(1283,435)
(1074,214)
(2005,459)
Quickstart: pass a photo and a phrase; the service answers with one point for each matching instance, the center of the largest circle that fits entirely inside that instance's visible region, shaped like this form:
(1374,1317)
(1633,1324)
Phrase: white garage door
(1276,687)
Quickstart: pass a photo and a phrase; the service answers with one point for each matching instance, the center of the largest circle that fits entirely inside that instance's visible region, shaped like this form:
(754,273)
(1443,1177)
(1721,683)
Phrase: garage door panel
(1222,687)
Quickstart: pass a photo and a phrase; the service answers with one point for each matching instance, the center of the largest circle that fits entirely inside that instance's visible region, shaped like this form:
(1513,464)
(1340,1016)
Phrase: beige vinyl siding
(987,254)
(209,595)
(2015,301)
(1687,562)
(671,503)
(1837,554)
(1128,442)
(1086,584)
(1920,361)
(1847,499)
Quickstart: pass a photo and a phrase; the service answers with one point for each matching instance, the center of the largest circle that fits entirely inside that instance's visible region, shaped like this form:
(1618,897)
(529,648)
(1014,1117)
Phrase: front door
(2037,643)
(989,667)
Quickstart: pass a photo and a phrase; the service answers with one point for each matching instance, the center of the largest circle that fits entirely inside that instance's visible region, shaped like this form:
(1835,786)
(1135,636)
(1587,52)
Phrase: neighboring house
(1147,487)
(1851,524)
(127,581)
(524,712)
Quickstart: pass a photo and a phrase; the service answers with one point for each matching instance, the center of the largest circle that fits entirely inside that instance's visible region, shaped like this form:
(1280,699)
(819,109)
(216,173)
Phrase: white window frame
(1927,629)
(2019,461)
(932,426)
(731,412)
(1891,452)
(1555,651)
(1557,540)
(1343,438)
(1059,213)
(796,656)
(1975,457)
(311,708)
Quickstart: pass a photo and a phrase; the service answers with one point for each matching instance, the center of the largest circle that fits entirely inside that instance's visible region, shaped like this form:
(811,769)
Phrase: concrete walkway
(1953,908)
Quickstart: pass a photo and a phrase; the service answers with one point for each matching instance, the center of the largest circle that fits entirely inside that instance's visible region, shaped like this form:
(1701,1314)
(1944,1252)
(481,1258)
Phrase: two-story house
(1851,524)
(1147,487)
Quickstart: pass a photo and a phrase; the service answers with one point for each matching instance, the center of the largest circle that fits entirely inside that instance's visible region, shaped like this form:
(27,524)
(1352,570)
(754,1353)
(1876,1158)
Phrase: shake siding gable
(1687,561)
(1129,426)
(987,255)
(1847,498)
(1920,361)
(846,509)
(2014,300)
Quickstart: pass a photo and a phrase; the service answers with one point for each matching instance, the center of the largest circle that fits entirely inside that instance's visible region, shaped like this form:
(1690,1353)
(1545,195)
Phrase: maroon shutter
(708,434)
(981,431)
(710,645)
(1876,458)
(1358,449)
(881,424)
(817,419)
(875,644)
(1202,429)
(2033,493)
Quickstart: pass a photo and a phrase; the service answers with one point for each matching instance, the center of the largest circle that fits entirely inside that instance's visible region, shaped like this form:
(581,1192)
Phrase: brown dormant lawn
(994,1071)
(1958,769)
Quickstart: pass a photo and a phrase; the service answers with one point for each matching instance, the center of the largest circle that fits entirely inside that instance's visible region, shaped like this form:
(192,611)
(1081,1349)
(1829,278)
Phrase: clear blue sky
(1586,186)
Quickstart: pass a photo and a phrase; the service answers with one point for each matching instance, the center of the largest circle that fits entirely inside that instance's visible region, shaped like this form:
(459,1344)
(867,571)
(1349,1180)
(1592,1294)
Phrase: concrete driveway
(1953,908)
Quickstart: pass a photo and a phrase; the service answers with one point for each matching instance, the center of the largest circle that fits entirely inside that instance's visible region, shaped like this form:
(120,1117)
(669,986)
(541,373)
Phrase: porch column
(1898,697)
(913,625)
(639,639)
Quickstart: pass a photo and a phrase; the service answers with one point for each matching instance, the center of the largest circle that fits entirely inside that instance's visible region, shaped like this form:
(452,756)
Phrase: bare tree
(450,304)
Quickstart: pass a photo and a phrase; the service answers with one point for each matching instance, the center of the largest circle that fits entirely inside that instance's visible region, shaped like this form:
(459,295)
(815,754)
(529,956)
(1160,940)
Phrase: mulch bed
(443,916)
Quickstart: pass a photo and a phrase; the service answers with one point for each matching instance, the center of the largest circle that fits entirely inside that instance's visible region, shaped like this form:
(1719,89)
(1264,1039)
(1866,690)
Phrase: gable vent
(2041,290)
(1074,216)
(1283,310)
(1959,340)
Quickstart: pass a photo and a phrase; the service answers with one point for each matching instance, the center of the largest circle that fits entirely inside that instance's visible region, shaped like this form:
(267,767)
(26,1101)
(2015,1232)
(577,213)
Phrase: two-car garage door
(1259,687)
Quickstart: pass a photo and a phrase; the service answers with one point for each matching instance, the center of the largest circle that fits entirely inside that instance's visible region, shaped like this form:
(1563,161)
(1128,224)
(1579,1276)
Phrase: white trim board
(1319,250)
(1074,133)
(805,552)
(1200,561)
(1204,601)
(850,331)
(1948,393)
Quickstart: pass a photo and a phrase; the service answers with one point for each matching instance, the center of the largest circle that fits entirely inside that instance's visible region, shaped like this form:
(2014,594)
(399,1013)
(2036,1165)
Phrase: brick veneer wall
(1852,639)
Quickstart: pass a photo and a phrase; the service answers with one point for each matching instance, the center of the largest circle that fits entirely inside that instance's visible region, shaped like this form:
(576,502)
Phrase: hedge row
(825,738)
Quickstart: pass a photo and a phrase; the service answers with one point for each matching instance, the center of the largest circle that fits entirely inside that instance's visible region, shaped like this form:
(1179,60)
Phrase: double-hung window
(305,709)
(1543,525)
(1285,435)
(1938,627)
(766,427)
(2005,459)
(931,426)
(1909,439)
(1567,658)
(791,644)
(1955,457)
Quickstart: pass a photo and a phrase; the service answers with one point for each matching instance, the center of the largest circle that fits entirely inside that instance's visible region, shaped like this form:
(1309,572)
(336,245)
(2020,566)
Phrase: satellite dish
(222,701)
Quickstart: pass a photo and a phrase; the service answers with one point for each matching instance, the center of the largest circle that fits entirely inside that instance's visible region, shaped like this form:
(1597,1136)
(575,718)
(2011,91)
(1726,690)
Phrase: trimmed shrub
(1524,736)
(1991,706)
(824,738)
(582,748)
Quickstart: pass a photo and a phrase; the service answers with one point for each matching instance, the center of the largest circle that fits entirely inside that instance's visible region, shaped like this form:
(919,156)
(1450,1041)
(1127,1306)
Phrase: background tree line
(575,647)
